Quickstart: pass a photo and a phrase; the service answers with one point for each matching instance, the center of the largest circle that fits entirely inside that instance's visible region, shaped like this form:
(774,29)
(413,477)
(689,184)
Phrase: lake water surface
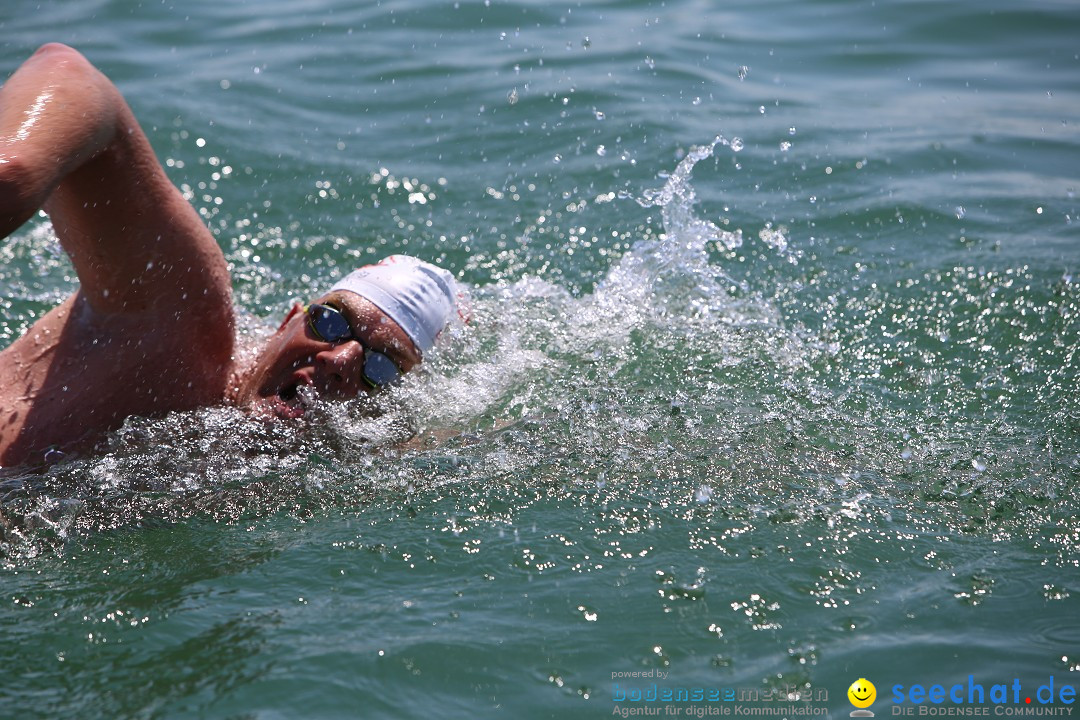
(771,381)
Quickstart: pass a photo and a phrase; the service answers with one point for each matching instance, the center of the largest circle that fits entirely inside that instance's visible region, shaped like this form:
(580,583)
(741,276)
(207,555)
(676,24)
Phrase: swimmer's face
(295,357)
(862,693)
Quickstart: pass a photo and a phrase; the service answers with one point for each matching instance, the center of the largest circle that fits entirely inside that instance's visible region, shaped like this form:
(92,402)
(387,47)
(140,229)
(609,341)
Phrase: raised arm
(56,112)
(150,328)
(69,143)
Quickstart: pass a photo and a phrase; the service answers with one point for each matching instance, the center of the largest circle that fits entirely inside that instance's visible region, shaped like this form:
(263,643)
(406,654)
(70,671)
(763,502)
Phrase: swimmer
(151,328)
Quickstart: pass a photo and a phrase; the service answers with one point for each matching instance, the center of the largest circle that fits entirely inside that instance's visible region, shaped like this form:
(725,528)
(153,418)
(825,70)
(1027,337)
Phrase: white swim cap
(418,296)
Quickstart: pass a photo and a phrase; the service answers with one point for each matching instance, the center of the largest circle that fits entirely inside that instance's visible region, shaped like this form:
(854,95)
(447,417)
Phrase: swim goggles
(329,325)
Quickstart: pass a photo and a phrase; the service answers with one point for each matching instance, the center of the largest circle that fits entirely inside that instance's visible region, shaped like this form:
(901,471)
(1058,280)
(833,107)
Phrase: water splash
(677,200)
(748,409)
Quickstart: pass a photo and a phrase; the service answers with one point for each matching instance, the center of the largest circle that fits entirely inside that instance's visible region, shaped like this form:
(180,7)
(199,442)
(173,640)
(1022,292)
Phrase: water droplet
(791,131)
(650,62)
(589,614)
(776,238)
(512,97)
(599,115)
(960,212)
(743,72)
(785,146)
(557,159)
(601,150)
(736,144)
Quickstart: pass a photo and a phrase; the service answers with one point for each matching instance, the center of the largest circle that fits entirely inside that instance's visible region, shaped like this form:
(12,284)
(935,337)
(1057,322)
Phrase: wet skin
(294,357)
(151,327)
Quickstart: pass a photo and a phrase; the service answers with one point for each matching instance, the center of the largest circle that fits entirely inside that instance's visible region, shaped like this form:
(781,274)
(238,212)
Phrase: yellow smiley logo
(862,693)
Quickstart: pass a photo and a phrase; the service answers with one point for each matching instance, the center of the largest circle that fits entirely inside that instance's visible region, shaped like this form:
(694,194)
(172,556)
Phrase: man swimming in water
(151,327)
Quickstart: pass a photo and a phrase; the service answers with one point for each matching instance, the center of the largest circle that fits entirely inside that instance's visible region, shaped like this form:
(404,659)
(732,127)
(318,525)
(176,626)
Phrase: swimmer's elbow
(54,48)
(54,56)
(73,79)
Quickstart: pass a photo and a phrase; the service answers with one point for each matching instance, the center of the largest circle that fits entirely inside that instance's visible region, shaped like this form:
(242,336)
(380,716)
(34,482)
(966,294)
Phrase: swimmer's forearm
(14,208)
(56,112)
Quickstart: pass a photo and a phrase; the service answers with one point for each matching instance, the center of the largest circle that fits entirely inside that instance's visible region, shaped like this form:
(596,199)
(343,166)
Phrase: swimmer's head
(396,308)
(420,297)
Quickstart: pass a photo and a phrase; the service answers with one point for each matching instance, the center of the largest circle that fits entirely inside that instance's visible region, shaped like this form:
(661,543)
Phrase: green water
(774,413)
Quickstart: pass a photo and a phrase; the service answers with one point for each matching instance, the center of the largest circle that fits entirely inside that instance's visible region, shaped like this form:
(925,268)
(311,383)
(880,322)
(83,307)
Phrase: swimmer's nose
(338,370)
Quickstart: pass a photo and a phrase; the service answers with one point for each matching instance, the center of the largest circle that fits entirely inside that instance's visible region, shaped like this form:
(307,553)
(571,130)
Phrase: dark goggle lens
(328,324)
(379,370)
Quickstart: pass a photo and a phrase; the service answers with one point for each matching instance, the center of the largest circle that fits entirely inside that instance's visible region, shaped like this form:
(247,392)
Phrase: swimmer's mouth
(294,399)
